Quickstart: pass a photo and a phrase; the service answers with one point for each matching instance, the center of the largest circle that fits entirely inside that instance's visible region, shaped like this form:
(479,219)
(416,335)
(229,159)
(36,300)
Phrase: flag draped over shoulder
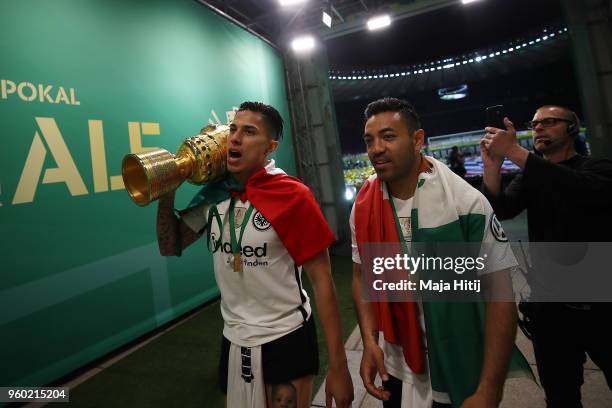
(445,209)
(286,203)
(399,322)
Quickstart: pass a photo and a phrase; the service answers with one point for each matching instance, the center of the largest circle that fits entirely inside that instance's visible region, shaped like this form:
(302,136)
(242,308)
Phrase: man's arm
(510,202)
(338,384)
(500,333)
(170,228)
(372,361)
(491,177)
(592,182)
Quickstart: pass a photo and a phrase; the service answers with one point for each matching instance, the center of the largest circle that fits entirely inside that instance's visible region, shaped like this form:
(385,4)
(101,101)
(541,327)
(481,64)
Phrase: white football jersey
(266,299)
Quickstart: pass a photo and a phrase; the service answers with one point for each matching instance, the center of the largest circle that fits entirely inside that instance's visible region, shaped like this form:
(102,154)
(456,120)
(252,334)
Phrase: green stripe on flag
(467,228)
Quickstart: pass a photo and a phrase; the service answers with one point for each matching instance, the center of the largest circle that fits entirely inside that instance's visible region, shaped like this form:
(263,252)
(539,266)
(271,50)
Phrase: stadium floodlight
(303,43)
(378,22)
(327,19)
(290,2)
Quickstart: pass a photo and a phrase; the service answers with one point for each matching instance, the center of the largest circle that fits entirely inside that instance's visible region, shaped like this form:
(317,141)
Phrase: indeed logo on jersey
(247,250)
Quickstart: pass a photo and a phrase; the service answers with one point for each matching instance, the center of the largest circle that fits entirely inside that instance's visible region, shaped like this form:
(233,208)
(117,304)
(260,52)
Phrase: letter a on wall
(66,171)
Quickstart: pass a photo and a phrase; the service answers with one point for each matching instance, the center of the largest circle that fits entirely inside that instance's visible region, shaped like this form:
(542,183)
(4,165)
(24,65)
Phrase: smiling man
(262,227)
(568,199)
(429,352)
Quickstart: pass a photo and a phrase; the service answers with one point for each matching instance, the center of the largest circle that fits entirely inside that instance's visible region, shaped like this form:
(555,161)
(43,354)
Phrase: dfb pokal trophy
(199,159)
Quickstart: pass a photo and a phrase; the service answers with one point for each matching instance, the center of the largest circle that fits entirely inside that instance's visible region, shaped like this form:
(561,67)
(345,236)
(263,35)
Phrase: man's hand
(503,143)
(489,160)
(373,362)
(499,142)
(481,399)
(339,387)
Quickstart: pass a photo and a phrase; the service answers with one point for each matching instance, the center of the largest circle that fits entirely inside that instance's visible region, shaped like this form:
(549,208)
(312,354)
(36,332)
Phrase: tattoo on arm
(170,228)
(167,225)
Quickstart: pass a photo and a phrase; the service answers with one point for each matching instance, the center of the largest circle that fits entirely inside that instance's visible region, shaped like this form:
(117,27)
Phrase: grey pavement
(518,392)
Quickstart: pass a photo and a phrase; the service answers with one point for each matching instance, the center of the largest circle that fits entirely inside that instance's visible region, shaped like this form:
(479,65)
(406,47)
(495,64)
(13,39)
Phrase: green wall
(80,273)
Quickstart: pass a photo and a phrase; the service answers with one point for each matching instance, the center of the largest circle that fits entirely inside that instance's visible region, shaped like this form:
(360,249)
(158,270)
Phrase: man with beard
(445,354)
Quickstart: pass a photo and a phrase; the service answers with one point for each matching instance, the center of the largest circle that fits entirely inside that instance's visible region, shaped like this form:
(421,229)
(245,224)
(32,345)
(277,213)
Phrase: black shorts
(289,357)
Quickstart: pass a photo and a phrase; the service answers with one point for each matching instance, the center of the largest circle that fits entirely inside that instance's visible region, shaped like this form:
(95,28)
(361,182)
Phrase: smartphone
(495,116)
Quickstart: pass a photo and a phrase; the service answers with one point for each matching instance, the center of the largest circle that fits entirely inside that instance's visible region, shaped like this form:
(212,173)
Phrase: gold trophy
(199,159)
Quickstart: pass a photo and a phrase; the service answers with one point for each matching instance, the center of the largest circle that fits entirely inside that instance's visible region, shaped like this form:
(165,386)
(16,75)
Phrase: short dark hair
(270,114)
(388,104)
(571,116)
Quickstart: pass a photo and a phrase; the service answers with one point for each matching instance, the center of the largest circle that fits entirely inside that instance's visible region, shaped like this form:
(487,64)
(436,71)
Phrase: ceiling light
(468,1)
(378,22)
(290,2)
(327,19)
(455,61)
(302,44)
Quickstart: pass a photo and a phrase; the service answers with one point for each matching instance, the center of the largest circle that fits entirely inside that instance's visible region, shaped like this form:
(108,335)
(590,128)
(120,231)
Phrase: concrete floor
(518,392)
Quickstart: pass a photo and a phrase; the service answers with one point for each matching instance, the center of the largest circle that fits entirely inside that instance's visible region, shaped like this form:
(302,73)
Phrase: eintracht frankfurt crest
(260,222)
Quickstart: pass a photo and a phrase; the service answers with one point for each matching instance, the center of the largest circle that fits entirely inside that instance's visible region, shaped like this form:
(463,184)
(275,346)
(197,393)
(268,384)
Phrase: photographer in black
(568,198)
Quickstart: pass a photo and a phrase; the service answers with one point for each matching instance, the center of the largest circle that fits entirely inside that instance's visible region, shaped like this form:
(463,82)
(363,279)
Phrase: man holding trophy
(262,227)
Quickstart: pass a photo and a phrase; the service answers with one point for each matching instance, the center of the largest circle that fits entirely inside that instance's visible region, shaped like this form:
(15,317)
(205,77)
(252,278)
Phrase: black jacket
(570,201)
